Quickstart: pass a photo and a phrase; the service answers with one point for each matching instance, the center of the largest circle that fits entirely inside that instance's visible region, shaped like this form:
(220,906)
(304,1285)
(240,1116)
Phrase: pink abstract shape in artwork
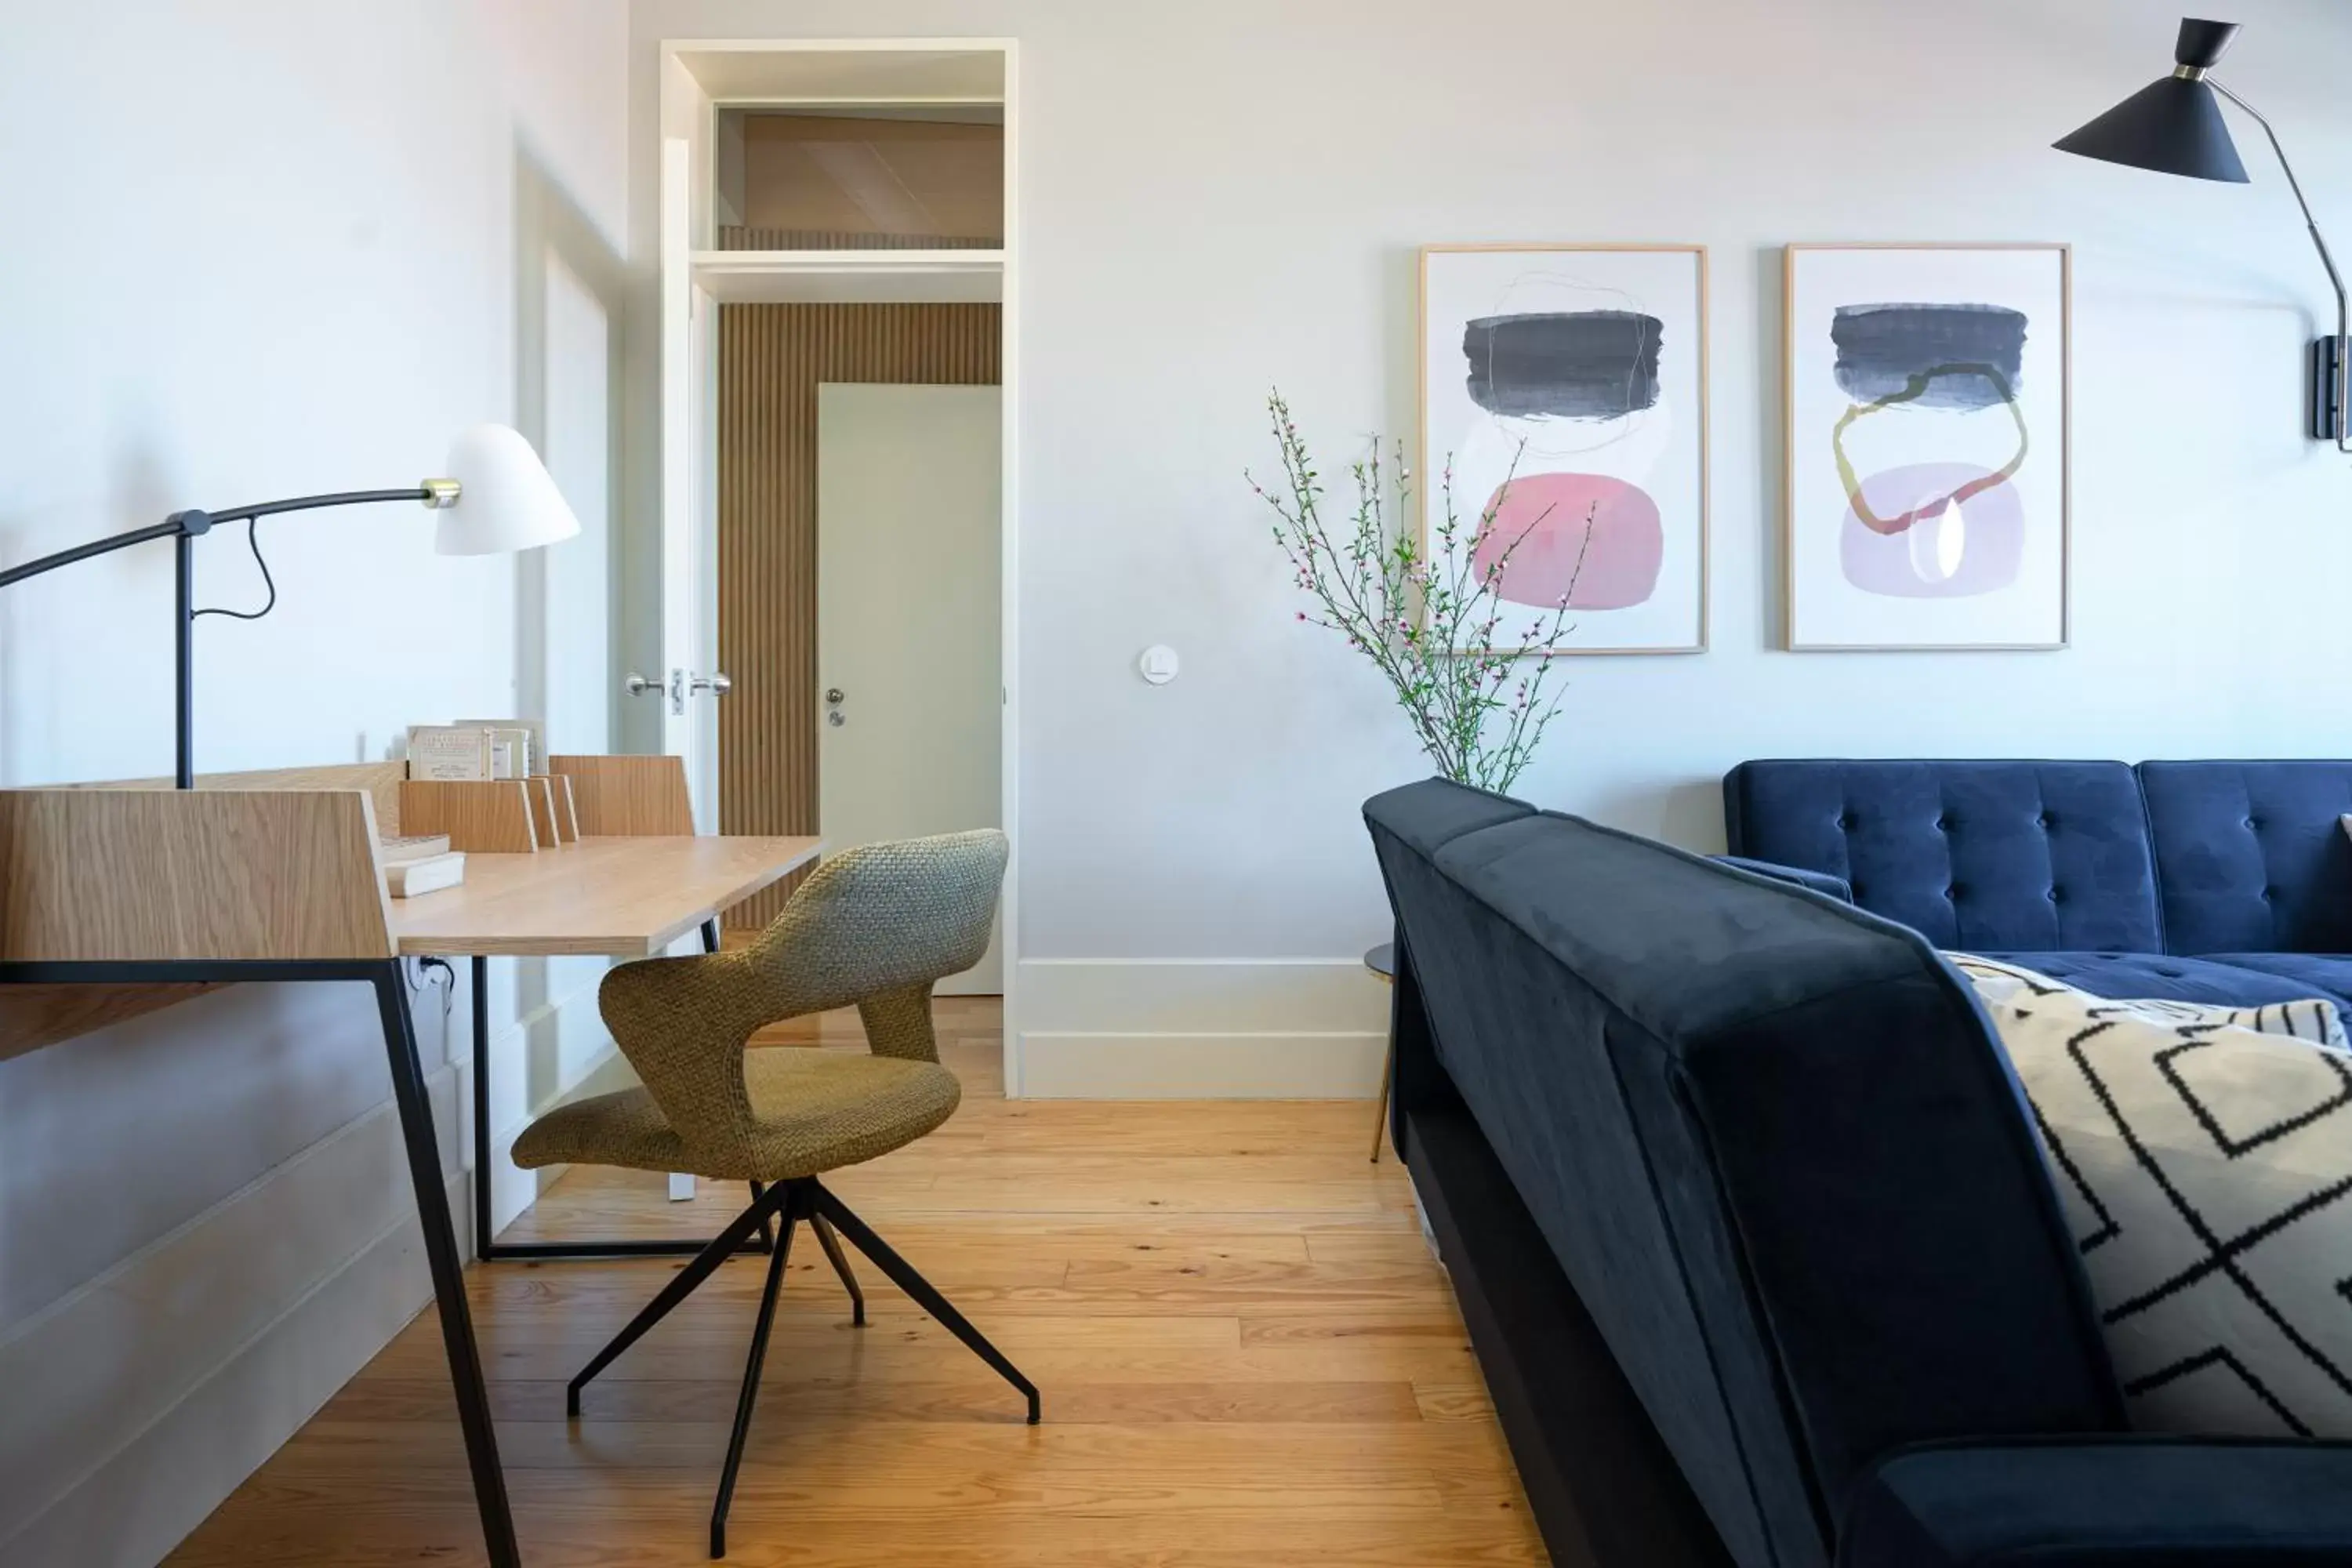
(1547,516)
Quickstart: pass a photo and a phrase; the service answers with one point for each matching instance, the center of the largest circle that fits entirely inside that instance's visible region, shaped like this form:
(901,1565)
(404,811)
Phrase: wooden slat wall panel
(771,359)
(732,238)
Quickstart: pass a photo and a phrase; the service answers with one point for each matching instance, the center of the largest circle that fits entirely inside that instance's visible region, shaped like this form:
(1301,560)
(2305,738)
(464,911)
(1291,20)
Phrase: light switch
(1158,665)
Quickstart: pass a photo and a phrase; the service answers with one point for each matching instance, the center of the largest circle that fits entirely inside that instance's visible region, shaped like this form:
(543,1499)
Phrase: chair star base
(790,1202)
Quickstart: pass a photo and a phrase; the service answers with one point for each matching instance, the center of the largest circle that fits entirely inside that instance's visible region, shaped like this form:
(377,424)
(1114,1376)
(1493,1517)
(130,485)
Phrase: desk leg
(448,1267)
(487,1247)
(481,999)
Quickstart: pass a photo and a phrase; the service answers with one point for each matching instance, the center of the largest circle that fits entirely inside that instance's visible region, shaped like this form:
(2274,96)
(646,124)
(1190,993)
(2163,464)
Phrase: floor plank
(1248,1358)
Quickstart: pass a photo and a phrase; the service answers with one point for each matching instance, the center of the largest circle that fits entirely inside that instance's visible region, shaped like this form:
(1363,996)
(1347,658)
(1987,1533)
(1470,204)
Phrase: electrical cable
(253,543)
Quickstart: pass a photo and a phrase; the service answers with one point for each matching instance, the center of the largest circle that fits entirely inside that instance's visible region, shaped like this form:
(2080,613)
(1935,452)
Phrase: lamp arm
(427,492)
(182,529)
(184,522)
(2343,420)
(84,551)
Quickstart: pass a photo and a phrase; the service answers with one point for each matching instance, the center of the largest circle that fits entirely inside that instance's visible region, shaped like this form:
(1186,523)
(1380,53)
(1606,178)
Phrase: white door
(909,522)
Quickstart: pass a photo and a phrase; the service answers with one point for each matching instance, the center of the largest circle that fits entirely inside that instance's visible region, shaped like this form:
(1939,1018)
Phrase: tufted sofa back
(1985,857)
(2068,857)
(2250,857)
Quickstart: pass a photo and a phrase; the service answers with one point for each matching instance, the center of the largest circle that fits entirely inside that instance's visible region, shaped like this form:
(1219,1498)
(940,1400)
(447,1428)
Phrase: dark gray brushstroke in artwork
(1578,364)
(1880,348)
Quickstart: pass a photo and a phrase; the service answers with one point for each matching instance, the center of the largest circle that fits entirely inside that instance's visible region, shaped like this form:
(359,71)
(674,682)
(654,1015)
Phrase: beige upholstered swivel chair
(875,926)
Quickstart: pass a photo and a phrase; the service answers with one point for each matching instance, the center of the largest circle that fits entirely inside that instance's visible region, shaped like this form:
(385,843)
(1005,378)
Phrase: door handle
(636,685)
(834,697)
(681,684)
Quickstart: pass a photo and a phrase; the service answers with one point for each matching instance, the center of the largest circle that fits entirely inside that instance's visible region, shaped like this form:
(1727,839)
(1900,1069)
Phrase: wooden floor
(1247,1354)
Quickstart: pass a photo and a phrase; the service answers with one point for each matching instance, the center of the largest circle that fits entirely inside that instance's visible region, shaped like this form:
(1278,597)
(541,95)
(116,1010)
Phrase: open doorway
(859,484)
(839,215)
(859,491)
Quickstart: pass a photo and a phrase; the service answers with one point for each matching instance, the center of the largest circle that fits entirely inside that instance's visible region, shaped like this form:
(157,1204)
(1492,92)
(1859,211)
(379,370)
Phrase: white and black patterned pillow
(2204,1159)
(2316,1019)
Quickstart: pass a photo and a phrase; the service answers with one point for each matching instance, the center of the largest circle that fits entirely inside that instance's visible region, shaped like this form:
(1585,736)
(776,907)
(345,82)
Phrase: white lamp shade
(506,500)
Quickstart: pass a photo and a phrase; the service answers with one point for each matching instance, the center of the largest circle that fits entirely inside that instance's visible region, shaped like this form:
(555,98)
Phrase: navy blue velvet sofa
(2201,881)
(1750,1231)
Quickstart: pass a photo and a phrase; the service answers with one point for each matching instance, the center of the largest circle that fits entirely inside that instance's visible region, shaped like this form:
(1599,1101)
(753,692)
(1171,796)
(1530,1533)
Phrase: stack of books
(476,749)
(420,864)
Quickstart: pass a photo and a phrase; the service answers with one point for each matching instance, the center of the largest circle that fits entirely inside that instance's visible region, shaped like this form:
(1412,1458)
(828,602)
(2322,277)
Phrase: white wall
(1225,195)
(261,247)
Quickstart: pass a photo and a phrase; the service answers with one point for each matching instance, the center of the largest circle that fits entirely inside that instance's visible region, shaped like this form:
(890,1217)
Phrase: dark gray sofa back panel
(1982,857)
(1523,1039)
(1768,1138)
(2250,857)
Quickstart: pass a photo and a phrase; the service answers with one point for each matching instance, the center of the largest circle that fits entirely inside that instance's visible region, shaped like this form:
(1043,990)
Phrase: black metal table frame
(485,1244)
(390,982)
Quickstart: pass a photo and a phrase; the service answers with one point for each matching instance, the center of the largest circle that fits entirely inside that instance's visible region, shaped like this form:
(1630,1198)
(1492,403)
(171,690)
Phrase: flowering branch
(1428,625)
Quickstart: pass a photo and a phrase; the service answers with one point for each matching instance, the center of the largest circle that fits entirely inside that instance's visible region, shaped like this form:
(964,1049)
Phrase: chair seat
(812,1111)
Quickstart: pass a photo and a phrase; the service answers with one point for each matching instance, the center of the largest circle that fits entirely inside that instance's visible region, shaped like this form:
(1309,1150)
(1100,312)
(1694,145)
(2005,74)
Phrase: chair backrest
(1985,857)
(875,926)
(1768,1137)
(884,917)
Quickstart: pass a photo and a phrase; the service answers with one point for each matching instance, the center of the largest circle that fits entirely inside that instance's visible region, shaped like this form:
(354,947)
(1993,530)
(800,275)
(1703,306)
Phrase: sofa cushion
(2106,1504)
(2250,857)
(2327,974)
(2018,856)
(2227,980)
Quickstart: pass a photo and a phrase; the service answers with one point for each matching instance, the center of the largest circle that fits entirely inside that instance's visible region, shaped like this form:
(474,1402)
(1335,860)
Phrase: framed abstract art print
(1927,445)
(1564,388)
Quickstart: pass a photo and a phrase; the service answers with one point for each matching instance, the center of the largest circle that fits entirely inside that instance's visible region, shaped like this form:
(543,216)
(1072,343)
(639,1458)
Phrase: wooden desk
(614,898)
(609,897)
(181,890)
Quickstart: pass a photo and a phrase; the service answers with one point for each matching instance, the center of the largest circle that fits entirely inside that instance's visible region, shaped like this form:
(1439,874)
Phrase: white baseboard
(1201,1066)
(1200,1029)
(139,1402)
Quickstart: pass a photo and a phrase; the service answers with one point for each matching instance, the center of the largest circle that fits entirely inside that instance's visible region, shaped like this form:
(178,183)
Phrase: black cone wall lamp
(2174,126)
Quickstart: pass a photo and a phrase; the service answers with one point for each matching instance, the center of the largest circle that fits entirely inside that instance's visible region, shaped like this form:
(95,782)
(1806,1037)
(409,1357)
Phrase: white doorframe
(686,105)
(679,567)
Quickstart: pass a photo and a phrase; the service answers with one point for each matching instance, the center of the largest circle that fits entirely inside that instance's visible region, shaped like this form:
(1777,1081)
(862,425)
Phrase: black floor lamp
(2173,126)
(498,499)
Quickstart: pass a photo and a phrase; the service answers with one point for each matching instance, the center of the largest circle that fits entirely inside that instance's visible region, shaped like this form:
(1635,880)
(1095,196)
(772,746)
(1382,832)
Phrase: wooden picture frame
(1669,610)
(1921,584)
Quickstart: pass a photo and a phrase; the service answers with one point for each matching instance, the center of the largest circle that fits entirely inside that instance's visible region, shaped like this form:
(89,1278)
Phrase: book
(528,738)
(412,847)
(409,879)
(451,752)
